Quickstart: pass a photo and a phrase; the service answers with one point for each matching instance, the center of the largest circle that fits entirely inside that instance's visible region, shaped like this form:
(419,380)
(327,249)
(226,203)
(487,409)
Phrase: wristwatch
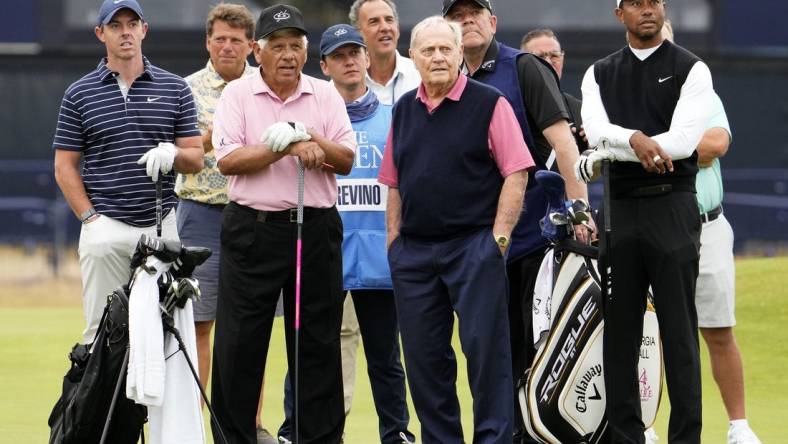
(502,240)
(87,214)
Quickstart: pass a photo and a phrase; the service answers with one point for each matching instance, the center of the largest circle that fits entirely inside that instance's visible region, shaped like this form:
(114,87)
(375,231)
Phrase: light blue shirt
(708,182)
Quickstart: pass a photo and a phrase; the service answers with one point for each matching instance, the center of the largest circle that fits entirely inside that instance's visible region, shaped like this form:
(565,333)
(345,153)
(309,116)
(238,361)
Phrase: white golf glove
(589,166)
(281,134)
(158,159)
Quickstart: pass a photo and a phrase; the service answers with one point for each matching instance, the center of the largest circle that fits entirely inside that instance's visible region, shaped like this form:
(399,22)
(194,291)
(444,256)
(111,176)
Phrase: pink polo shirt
(504,136)
(247,107)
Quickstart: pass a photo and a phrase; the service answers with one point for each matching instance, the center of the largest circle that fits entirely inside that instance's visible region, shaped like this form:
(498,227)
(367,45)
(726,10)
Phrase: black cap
(274,18)
(447,4)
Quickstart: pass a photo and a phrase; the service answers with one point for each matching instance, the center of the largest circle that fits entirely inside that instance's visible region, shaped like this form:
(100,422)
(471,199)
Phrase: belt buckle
(294,215)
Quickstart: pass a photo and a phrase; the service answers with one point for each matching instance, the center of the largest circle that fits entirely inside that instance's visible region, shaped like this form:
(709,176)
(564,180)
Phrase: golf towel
(158,375)
(543,291)
(145,380)
(179,419)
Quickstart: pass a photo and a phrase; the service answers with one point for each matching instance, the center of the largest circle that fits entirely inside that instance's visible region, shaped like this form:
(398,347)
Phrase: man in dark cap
(264,124)
(532,89)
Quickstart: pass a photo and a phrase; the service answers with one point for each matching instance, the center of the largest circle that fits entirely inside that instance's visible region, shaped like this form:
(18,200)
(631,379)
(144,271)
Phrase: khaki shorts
(715,298)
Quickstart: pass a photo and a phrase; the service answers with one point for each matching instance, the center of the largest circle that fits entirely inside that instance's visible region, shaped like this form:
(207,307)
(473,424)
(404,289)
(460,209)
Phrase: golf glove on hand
(589,166)
(158,159)
(281,134)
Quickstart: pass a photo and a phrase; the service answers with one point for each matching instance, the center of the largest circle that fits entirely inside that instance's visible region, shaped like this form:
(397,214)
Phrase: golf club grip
(158,206)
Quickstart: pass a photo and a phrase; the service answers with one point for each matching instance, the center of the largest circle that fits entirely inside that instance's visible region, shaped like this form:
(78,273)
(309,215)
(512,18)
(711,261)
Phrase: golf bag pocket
(88,387)
(562,397)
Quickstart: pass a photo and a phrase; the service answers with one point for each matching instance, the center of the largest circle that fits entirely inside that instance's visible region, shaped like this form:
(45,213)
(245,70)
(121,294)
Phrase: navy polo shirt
(113,132)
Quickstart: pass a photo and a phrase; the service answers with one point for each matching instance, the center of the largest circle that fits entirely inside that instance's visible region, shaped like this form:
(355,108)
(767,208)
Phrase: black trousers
(654,242)
(377,320)
(257,261)
(522,279)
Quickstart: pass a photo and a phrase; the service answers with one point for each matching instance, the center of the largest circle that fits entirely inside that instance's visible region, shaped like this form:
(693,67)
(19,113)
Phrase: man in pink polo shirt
(263,124)
(456,166)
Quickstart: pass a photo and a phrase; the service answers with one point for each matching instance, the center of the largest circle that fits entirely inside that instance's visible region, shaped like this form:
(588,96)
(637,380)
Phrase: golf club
(299,224)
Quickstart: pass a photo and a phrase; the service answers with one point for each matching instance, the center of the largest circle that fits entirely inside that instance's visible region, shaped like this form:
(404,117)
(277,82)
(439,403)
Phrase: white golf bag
(562,397)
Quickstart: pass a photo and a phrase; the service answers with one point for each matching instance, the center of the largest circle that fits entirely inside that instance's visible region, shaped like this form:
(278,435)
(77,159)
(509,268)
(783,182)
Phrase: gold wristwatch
(502,240)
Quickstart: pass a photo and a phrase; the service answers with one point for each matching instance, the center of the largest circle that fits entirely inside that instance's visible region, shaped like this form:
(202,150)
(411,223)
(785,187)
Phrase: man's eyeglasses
(550,55)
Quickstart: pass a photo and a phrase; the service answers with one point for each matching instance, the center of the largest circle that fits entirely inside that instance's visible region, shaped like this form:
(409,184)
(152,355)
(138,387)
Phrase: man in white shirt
(390,75)
(653,209)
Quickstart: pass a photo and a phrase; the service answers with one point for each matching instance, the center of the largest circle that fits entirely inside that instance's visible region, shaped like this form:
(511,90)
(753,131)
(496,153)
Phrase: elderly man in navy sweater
(455,164)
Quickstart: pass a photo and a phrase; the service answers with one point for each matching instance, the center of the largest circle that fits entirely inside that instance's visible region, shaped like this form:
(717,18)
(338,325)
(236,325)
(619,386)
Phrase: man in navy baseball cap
(337,36)
(110,7)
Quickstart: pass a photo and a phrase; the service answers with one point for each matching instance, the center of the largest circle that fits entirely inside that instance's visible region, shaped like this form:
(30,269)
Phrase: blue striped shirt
(113,132)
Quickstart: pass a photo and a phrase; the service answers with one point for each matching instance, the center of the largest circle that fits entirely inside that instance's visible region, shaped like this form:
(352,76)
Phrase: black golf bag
(562,396)
(98,370)
(88,387)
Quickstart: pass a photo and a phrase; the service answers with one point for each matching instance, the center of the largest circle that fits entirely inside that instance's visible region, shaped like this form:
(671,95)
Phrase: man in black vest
(646,107)
(455,164)
(532,88)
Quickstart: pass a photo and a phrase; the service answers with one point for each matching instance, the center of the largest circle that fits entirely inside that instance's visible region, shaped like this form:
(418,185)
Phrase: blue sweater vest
(505,78)
(448,182)
(362,202)
(527,236)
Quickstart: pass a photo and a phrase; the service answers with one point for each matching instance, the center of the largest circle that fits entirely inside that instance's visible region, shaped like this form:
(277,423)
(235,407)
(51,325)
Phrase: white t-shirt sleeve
(595,120)
(691,116)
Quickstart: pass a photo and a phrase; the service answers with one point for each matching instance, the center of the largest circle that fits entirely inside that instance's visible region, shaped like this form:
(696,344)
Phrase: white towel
(179,419)
(543,291)
(145,377)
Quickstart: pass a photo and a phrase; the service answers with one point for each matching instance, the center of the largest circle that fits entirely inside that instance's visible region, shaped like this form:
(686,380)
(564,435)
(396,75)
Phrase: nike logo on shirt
(153,99)
(666,78)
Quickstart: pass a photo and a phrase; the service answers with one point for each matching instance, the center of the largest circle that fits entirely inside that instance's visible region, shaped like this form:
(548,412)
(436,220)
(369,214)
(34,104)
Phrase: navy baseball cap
(110,7)
(339,35)
(447,4)
(274,18)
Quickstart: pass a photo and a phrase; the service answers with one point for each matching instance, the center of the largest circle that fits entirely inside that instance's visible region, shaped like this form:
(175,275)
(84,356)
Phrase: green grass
(34,342)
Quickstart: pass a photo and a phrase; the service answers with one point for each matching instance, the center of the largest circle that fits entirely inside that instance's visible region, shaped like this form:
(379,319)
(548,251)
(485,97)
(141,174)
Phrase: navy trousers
(433,280)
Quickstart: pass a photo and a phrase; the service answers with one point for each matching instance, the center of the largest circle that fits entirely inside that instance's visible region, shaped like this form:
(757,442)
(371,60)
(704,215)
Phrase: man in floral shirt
(230,34)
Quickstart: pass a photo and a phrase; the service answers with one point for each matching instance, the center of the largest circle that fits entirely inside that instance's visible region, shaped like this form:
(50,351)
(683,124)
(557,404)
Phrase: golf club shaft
(158,206)
(299,225)
(608,228)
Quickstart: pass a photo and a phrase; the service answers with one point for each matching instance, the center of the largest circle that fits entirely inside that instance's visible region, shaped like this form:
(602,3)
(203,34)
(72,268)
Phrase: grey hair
(433,21)
(263,42)
(353,14)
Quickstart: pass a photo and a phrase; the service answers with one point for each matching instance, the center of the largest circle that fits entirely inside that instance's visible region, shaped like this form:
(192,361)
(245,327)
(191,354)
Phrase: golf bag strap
(574,246)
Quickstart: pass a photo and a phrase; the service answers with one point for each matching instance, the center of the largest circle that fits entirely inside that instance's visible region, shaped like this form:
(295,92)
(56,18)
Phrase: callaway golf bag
(562,396)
